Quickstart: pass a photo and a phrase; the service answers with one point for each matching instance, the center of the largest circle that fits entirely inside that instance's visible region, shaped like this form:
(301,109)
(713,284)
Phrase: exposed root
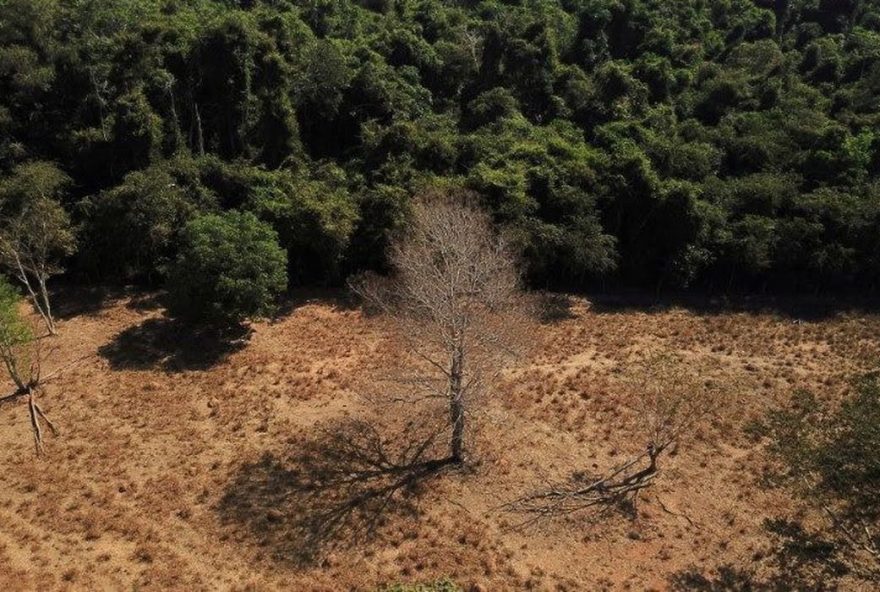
(28,385)
(38,416)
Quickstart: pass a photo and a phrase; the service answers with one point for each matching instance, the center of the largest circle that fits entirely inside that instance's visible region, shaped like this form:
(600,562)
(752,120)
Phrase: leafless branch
(669,405)
(455,302)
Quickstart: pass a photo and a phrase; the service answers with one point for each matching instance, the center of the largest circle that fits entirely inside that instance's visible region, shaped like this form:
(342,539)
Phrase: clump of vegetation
(134,229)
(14,332)
(828,454)
(444,585)
(22,357)
(717,144)
(230,268)
(35,230)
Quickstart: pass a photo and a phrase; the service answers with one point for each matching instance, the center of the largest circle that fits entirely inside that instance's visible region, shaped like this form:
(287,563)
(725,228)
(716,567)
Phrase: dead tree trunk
(456,405)
(200,138)
(455,299)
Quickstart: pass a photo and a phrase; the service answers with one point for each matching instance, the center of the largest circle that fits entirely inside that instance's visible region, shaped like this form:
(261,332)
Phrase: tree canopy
(644,142)
(230,268)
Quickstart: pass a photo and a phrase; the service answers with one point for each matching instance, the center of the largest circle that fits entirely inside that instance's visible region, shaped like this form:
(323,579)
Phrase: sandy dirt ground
(188,463)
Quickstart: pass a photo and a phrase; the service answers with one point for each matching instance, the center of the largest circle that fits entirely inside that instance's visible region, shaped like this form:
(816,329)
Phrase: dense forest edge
(728,145)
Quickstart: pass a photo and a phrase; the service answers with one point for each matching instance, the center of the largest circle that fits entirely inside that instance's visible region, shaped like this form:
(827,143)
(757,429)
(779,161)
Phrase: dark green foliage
(134,228)
(310,210)
(313,217)
(648,142)
(230,267)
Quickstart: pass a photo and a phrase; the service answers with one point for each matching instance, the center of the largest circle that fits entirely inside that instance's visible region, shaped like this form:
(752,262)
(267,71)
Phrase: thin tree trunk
(200,139)
(44,311)
(100,103)
(178,135)
(47,306)
(456,405)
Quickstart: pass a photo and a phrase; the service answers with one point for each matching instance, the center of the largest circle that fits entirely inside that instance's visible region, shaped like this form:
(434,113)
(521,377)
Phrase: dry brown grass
(136,491)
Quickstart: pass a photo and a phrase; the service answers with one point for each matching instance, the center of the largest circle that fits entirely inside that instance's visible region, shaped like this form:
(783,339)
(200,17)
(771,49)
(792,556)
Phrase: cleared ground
(187,465)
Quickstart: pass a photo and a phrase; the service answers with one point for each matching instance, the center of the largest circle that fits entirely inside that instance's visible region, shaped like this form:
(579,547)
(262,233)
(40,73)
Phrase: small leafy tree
(455,300)
(230,267)
(35,230)
(22,359)
(830,456)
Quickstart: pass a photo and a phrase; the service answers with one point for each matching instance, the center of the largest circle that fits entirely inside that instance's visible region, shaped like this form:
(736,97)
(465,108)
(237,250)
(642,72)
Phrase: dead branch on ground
(671,404)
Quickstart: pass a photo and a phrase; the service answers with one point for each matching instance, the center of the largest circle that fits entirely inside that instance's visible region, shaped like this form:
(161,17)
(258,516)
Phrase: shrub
(443,585)
(230,267)
(13,330)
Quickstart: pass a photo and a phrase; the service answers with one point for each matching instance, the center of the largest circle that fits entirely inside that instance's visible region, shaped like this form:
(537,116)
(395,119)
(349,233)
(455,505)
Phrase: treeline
(726,144)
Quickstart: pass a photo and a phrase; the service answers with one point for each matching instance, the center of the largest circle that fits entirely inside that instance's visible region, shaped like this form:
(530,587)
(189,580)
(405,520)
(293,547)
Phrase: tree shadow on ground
(336,491)
(801,560)
(172,345)
(797,308)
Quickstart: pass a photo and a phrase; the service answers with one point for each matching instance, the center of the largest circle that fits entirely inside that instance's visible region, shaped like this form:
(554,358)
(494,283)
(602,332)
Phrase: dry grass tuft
(132,494)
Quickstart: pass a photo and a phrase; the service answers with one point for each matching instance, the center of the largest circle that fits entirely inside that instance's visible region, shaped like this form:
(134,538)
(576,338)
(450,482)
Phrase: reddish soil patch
(188,463)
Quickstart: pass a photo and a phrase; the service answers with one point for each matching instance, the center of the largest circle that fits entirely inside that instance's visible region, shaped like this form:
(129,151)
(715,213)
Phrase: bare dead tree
(670,403)
(23,357)
(474,43)
(455,301)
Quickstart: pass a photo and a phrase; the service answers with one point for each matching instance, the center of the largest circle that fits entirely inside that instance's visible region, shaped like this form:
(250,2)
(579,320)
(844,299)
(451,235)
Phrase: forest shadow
(335,491)
(145,302)
(172,345)
(335,298)
(794,308)
(554,307)
(801,560)
(70,301)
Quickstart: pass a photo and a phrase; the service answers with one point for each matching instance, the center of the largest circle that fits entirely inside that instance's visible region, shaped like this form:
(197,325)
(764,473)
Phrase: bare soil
(194,461)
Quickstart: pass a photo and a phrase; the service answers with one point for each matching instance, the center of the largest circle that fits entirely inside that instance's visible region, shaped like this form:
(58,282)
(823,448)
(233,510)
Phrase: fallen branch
(611,490)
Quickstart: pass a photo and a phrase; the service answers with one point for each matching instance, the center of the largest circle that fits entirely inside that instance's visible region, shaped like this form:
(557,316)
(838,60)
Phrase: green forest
(654,144)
